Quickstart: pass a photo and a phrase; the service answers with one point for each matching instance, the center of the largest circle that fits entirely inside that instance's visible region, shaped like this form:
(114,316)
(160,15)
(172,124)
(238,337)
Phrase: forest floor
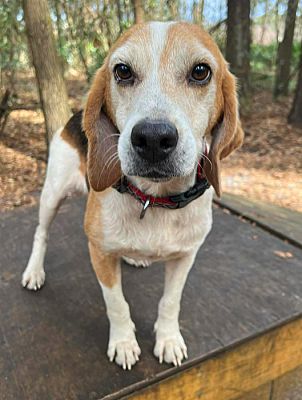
(268,166)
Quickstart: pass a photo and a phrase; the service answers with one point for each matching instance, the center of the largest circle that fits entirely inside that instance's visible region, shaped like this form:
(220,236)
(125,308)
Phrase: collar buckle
(144,209)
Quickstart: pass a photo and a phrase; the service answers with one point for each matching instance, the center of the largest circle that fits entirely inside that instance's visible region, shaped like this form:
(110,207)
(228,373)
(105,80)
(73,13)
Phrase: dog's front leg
(170,345)
(123,346)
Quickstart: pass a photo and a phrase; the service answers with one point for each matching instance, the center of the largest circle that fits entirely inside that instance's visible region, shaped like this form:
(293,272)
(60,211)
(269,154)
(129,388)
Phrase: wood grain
(288,386)
(261,393)
(237,371)
(283,222)
(53,342)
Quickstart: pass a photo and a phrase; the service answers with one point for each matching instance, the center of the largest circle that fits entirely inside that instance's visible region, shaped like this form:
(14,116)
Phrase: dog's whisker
(104,138)
(109,149)
(95,167)
(115,162)
(106,166)
(207,158)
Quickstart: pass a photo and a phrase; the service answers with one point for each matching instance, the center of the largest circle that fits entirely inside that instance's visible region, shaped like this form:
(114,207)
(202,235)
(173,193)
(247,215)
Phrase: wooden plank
(53,342)
(237,371)
(288,386)
(283,222)
(261,393)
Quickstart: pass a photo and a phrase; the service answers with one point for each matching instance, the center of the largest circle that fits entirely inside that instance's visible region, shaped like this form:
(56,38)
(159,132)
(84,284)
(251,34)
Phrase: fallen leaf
(283,254)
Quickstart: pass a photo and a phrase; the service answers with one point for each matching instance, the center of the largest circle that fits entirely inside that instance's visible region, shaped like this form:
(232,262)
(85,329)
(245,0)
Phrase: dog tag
(145,206)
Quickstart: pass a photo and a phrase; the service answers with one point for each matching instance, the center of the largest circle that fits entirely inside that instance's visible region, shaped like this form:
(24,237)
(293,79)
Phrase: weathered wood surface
(235,372)
(288,386)
(285,223)
(53,343)
(263,392)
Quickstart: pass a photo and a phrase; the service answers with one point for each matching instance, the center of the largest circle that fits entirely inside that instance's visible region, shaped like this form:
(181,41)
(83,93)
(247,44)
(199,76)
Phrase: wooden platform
(280,221)
(241,318)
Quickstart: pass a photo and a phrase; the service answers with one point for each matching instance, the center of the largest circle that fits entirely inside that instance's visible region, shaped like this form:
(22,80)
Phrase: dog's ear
(227,134)
(103,166)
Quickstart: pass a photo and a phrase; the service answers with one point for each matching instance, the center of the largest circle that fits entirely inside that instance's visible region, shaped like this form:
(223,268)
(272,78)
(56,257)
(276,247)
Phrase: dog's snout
(154,140)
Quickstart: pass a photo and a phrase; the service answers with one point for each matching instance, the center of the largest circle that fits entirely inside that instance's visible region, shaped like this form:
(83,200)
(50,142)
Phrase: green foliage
(263,59)
(85,30)
(97,58)
(12,42)
(263,65)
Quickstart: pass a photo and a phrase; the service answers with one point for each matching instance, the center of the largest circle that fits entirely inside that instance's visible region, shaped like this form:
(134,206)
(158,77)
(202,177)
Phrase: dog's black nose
(154,140)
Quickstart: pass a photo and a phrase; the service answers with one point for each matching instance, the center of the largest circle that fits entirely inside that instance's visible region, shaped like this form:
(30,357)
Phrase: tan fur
(104,265)
(99,94)
(93,228)
(103,167)
(224,141)
(161,56)
(68,138)
(185,32)
(230,137)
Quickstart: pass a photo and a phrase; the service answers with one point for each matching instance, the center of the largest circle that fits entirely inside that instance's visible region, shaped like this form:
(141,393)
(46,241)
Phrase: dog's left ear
(227,135)
(103,166)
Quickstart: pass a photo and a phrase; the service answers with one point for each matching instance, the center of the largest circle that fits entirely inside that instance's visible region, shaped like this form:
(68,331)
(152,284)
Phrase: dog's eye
(200,74)
(123,73)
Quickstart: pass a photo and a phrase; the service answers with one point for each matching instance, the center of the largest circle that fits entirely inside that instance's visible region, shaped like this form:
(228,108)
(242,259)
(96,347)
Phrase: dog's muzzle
(154,140)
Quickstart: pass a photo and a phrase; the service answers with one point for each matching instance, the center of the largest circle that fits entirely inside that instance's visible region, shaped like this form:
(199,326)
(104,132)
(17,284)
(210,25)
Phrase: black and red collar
(171,202)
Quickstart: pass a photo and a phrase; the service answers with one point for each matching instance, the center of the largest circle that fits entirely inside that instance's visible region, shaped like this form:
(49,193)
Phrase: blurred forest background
(49,51)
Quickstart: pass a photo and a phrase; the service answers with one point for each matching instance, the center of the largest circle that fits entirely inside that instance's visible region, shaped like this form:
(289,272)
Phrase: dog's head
(164,86)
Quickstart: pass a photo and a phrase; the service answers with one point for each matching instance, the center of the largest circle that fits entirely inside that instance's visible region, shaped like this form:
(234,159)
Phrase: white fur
(166,235)
(122,346)
(63,178)
(173,236)
(163,235)
(160,95)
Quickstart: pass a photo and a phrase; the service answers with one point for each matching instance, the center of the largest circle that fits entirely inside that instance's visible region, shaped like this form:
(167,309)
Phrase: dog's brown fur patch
(104,265)
(74,135)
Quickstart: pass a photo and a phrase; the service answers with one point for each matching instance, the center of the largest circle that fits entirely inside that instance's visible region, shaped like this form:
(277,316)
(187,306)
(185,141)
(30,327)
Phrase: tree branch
(217,26)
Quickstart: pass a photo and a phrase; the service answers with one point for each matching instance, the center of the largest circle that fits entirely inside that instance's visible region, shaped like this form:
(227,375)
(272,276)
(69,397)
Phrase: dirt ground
(267,167)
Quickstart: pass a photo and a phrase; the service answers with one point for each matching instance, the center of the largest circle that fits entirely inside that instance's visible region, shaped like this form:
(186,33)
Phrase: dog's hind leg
(63,177)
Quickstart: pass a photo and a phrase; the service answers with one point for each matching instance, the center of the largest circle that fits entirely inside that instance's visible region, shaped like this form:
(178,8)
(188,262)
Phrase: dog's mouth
(157,176)
(159,180)
(155,173)
(174,166)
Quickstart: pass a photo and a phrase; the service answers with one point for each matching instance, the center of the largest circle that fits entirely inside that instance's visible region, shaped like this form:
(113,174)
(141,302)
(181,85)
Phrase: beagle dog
(140,146)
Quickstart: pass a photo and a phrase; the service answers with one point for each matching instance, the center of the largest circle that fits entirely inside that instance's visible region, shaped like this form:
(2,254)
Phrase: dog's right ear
(103,166)
(227,134)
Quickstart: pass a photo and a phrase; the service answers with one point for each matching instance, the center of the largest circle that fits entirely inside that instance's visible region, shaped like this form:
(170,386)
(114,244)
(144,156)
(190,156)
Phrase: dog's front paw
(123,346)
(169,346)
(125,353)
(33,278)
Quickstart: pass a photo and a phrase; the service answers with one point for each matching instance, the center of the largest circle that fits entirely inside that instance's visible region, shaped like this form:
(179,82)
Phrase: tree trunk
(59,24)
(73,23)
(295,115)
(238,42)
(138,11)
(119,15)
(277,20)
(198,7)
(173,6)
(60,34)
(52,90)
(284,53)
(201,10)
(263,28)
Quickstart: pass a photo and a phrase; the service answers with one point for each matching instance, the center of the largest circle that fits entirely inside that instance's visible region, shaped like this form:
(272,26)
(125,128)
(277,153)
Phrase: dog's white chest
(161,234)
